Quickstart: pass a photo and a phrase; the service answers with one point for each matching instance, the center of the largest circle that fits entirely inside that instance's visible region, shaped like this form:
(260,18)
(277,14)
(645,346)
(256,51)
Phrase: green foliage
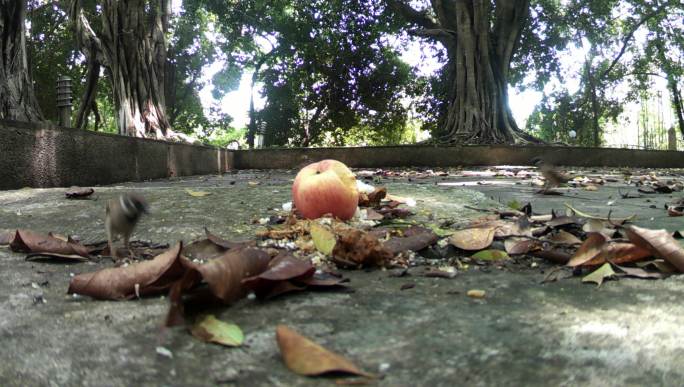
(327,68)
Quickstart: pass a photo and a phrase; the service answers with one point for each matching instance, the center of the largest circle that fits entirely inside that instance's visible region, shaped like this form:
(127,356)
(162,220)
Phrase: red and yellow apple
(325,187)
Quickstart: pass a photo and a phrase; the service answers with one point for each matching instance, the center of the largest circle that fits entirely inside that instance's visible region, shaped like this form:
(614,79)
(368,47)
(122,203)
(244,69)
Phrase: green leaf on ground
(213,330)
(599,275)
(491,255)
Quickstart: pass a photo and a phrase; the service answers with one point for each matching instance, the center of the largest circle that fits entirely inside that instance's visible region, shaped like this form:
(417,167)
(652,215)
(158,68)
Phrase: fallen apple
(325,187)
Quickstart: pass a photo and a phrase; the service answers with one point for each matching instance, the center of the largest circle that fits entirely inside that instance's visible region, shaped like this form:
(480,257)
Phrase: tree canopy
(335,72)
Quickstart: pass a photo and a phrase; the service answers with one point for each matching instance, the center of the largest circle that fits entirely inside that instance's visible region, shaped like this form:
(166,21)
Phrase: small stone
(383,367)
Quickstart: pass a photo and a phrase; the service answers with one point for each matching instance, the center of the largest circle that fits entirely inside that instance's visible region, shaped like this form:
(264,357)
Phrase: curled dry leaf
(304,357)
(565,237)
(27,241)
(224,274)
(518,245)
(473,238)
(120,283)
(618,253)
(589,249)
(276,279)
(78,193)
(372,199)
(356,248)
(414,239)
(658,242)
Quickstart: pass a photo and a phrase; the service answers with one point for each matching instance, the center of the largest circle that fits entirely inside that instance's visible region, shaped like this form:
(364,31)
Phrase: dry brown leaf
(126,282)
(355,248)
(564,237)
(283,268)
(589,249)
(517,245)
(658,242)
(477,238)
(27,241)
(78,193)
(618,253)
(372,199)
(224,274)
(414,239)
(304,357)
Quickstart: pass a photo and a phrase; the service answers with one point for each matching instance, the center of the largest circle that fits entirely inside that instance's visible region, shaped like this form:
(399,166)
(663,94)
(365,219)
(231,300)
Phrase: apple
(325,187)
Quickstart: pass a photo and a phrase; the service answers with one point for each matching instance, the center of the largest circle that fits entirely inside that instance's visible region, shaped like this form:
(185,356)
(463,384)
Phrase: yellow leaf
(197,194)
(304,357)
(600,274)
(323,239)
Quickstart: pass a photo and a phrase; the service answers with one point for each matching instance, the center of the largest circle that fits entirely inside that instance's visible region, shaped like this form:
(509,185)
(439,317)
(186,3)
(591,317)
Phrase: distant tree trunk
(480,41)
(595,113)
(676,95)
(132,46)
(17,98)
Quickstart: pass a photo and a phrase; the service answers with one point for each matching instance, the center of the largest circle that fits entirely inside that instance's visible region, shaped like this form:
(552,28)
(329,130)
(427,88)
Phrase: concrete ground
(523,333)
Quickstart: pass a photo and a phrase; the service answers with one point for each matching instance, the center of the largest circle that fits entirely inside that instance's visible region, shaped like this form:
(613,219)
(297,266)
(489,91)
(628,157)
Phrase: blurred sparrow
(122,214)
(552,177)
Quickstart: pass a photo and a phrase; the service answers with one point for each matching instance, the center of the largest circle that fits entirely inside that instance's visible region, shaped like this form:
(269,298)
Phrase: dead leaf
(477,238)
(618,253)
(372,199)
(224,274)
(441,272)
(638,272)
(601,226)
(371,214)
(27,241)
(414,239)
(564,237)
(356,248)
(78,193)
(197,194)
(304,357)
(323,239)
(476,293)
(599,275)
(658,242)
(659,264)
(517,245)
(120,283)
(284,268)
(212,330)
(589,249)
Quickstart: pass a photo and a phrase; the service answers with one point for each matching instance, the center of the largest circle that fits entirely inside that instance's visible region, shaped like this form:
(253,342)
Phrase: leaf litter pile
(291,254)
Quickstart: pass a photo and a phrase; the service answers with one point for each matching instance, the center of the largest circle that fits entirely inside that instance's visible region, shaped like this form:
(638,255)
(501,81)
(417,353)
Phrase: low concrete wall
(42,155)
(449,156)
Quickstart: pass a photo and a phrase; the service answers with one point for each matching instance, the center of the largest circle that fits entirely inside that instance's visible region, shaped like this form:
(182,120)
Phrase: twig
(589,216)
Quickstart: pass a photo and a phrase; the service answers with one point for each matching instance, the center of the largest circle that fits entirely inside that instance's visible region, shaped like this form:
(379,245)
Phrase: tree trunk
(480,41)
(677,105)
(17,98)
(132,46)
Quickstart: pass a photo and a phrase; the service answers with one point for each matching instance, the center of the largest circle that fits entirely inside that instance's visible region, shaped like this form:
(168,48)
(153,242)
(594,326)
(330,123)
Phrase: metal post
(64,100)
